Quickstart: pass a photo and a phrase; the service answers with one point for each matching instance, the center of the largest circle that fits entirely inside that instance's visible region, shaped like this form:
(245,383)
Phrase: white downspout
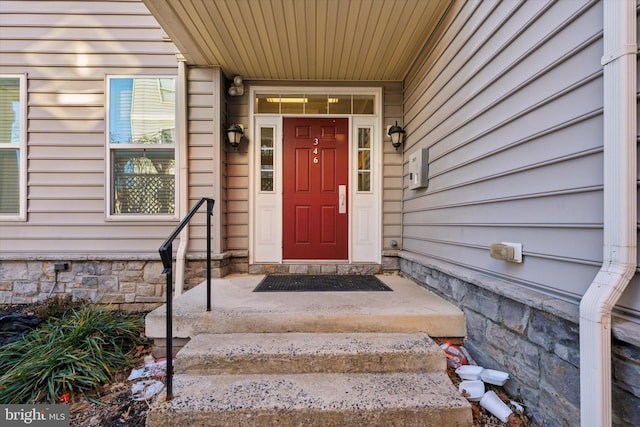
(183,203)
(619,257)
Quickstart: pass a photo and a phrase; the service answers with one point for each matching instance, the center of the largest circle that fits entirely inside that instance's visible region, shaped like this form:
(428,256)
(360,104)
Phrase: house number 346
(315,151)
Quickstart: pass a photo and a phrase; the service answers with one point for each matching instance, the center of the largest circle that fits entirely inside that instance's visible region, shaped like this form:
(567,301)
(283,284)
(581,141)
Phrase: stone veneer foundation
(535,338)
(137,282)
(128,283)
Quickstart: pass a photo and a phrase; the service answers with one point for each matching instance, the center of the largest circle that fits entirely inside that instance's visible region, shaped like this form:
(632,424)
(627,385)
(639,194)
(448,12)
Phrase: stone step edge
(420,399)
(226,321)
(310,352)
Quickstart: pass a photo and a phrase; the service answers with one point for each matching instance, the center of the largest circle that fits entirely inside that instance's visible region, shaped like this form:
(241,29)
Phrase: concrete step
(310,358)
(328,399)
(309,353)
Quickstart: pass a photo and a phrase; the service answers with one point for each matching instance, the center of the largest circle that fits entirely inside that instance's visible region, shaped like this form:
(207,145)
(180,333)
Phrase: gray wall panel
(509,103)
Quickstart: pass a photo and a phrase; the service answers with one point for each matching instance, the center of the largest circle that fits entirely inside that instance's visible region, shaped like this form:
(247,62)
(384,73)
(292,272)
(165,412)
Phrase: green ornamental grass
(75,354)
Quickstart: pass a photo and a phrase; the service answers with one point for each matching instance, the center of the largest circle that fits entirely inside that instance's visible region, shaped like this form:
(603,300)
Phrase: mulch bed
(113,406)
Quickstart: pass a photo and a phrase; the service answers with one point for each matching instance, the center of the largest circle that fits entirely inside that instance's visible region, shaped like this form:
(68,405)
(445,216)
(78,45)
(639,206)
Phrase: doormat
(320,283)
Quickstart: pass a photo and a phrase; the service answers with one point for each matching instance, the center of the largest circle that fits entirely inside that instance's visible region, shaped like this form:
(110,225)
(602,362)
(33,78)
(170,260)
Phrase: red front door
(316,172)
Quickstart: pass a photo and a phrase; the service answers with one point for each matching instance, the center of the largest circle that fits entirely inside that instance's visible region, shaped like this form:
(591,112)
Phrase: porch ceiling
(369,40)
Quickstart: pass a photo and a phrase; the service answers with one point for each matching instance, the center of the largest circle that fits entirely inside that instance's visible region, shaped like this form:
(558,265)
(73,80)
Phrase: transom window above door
(273,103)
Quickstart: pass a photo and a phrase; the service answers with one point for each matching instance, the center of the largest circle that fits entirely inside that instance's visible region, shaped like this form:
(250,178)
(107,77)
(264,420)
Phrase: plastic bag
(150,369)
(455,356)
(145,390)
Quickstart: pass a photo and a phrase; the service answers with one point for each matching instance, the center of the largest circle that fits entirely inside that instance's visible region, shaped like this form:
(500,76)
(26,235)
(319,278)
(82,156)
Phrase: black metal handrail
(166,254)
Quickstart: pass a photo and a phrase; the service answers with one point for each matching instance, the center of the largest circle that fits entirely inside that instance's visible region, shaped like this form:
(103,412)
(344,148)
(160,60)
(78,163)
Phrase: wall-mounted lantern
(234,134)
(397,135)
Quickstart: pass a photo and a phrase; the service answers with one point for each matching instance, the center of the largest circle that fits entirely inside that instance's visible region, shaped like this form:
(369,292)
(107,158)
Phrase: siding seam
(528,254)
(509,280)
(489,59)
(511,93)
(531,166)
(577,226)
(511,198)
(505,70)
(418,92)
(529,138)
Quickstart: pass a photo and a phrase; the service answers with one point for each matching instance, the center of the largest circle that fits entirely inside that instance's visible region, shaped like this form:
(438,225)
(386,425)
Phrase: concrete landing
(340,400)
(214,354)
(236,309)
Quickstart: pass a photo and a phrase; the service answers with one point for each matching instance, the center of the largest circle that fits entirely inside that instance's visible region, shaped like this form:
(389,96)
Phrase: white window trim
(108,148)
(266,206)
(22,211)
(366,240)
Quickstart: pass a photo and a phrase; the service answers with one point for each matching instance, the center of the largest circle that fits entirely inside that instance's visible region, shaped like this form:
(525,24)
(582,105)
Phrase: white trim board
(365,208)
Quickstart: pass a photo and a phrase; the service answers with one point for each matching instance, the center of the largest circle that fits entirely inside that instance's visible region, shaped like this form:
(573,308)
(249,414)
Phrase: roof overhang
(366,40)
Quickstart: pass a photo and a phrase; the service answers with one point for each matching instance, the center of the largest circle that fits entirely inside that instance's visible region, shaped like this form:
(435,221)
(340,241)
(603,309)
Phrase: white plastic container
(469,372)
(492,403)
(472,390)
(494,377)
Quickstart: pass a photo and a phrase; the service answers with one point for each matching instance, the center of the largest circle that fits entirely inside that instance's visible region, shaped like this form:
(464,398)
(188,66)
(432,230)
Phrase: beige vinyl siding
(67,49)
(204,95)
(509,103)
(237,201)
(392,173)
(237,175)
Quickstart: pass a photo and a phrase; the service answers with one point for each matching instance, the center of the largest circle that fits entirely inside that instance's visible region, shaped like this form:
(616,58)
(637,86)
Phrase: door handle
(342,199)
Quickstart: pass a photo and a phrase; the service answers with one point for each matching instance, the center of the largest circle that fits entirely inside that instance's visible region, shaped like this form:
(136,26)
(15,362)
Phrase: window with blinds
(142,148)
(12,140)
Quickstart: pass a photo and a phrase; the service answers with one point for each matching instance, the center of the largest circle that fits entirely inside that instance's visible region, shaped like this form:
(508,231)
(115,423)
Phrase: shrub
(73,354)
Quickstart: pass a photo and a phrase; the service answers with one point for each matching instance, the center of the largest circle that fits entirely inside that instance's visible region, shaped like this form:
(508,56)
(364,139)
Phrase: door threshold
(315,261)
(316,267)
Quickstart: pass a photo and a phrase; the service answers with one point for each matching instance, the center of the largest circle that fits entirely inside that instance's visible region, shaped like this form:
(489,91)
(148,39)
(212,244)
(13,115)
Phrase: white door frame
(265,208)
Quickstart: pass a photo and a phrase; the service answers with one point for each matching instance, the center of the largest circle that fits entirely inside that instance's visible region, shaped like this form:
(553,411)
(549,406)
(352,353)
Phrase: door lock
(342,199)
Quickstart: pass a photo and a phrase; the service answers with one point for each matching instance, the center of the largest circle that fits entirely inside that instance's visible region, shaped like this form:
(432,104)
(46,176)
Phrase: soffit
(372,40)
